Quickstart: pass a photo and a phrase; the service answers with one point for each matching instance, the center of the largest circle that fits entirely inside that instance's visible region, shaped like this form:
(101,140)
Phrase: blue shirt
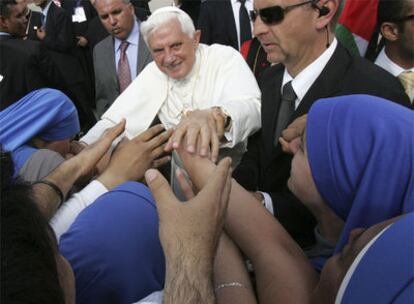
(131,51)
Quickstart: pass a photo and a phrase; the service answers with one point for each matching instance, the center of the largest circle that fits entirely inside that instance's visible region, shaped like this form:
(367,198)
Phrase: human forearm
(277,259)
(64,176)
(231,280)
(189,279)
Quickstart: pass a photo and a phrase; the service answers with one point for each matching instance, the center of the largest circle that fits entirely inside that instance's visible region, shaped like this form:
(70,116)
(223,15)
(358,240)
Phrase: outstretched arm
(189,234)
(283,272)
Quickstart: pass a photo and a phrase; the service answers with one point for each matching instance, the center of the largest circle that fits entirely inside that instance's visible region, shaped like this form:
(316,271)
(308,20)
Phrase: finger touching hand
(161,190)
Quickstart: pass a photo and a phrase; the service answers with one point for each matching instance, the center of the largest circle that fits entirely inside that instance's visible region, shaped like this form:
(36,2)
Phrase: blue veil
(114,248)
(361,154)
(385,273)
(46,113)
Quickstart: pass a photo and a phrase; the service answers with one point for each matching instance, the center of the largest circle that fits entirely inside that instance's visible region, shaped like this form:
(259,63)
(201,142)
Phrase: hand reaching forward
(203,126)
(189,234)
(132,158)
(192,228)
(292,131)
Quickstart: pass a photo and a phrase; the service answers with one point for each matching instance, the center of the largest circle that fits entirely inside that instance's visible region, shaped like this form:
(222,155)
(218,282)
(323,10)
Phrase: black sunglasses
(274,14)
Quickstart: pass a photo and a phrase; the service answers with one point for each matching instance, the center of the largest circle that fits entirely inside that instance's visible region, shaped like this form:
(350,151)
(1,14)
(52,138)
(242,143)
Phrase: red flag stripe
(360,17)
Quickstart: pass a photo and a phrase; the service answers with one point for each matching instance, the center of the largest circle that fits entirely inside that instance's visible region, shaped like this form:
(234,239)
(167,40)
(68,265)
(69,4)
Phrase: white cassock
(219,78)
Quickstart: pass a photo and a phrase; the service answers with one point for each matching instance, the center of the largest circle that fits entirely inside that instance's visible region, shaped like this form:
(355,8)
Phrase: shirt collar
(4,34)
(387,64)
(304,80)
(46,9)
(131,39)
(237,1)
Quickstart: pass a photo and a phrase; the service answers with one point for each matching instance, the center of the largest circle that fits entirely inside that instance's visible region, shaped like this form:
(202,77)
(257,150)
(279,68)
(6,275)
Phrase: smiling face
(117,17)
(173,51)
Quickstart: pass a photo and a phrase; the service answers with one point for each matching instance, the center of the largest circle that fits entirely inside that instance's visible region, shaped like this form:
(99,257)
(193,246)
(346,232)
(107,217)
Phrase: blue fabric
(361,153)
(46,113)
(114,249)
(385,273)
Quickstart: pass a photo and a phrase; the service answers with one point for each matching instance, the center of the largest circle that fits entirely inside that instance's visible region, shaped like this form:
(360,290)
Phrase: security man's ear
(389,31)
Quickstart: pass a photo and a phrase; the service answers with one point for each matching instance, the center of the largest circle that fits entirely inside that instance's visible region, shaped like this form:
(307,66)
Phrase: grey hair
(164,15)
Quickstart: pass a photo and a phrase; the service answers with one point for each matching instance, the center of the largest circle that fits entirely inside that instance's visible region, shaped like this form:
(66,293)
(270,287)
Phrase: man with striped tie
(396,21)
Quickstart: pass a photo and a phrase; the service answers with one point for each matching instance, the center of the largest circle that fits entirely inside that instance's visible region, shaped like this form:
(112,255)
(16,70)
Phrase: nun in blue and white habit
(37,130)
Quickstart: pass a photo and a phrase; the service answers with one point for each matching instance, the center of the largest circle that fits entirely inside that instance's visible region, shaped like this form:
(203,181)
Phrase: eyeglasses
(274,14)
(403,19)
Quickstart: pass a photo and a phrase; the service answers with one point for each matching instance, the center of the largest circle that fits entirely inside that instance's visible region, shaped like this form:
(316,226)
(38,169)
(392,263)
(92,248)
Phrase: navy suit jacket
(217,24)
(265,167)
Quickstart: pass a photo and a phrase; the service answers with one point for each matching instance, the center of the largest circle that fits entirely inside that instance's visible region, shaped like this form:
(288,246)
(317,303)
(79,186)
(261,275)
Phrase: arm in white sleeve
(268,203)
(67,213)
(239,98)
(153,298)
(96,131)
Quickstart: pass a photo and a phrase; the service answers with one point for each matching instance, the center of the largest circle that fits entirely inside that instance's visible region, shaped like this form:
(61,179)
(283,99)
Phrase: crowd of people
(214,152)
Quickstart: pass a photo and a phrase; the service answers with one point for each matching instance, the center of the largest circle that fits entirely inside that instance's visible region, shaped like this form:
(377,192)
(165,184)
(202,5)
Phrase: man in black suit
(300,35)
(225,22)
(25,65)
(53,27)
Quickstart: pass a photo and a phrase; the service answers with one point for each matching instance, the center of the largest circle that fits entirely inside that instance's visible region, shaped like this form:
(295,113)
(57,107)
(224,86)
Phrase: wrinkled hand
(192,229)
(40,33)
(294,130)
(132,158)
(82,41)
(203,126)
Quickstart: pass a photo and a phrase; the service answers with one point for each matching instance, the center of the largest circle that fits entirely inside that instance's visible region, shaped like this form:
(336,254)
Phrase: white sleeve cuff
(268,203)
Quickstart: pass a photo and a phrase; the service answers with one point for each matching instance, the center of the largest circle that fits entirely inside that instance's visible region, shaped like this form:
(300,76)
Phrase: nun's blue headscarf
(361,154)
(385,272)
(45,113)
(114,248)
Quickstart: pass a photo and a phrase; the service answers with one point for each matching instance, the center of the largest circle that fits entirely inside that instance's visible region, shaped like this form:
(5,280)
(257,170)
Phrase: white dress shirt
(301,85)
(387,64)
(45,11)
(131,51)
(235,4)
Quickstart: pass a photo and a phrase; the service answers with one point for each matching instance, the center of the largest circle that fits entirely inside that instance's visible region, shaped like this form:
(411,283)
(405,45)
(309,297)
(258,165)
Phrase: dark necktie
(287,107)
(245,30)
(42,19)
(124,72)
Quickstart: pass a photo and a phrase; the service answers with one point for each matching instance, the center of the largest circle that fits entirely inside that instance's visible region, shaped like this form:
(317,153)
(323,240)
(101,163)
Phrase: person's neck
(44,4)
(400,58)
(329,224)
(294,67)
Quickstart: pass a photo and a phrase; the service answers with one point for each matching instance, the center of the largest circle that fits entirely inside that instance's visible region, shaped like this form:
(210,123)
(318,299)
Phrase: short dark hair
(6,169)
(28,251)
(5,7)
(391,10)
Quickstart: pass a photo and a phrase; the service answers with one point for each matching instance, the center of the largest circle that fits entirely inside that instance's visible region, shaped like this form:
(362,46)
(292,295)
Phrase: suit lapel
(143,55)
(109,60)
(328,83)
(270,105)
(231,24)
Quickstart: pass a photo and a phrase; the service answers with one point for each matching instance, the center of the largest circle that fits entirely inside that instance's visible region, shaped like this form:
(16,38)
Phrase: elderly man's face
(172,50)
(116,16)
(16,23)
(292,38)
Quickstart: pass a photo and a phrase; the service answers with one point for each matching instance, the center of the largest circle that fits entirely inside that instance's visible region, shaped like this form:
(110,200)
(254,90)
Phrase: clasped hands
(205,127)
